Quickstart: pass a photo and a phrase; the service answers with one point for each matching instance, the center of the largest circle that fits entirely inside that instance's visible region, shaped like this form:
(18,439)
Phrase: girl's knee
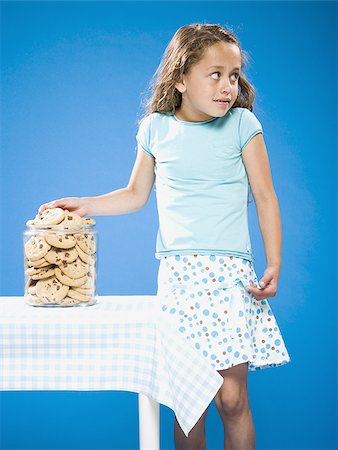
(231,405)
(232,397)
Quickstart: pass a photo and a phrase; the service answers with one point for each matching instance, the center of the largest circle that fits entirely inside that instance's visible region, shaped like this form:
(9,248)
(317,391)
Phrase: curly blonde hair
(184,50)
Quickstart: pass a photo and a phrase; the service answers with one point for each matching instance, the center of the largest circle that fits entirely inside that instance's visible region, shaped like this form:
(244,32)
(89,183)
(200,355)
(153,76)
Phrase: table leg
(149,423)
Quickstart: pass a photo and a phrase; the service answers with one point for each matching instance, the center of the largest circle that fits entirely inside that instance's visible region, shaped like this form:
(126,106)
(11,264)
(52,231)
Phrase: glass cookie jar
(60,265)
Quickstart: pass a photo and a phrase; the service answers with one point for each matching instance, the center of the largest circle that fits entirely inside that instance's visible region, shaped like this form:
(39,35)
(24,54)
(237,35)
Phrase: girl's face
(214,77)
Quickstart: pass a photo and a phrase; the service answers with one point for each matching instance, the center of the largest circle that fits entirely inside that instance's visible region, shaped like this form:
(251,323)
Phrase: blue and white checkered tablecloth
(120,343)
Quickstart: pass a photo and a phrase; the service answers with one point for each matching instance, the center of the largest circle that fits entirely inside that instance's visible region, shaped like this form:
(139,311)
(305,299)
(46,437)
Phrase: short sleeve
(143,135)
(249,126)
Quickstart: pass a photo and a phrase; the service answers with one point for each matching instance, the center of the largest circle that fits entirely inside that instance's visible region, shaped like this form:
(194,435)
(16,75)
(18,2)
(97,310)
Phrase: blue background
(73,78)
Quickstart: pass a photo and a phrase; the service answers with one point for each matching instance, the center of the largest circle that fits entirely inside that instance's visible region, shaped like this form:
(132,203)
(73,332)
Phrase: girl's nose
(226,89)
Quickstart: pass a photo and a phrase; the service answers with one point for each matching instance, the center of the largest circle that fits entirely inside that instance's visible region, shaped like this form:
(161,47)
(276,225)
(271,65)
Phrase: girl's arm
(120,201)
(131,198)
(256,162)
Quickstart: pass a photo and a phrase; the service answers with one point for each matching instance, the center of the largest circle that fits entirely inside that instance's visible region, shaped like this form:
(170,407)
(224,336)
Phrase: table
(120,343)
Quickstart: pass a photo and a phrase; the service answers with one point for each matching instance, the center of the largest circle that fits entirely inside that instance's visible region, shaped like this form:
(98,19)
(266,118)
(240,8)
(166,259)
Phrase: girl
(205,145)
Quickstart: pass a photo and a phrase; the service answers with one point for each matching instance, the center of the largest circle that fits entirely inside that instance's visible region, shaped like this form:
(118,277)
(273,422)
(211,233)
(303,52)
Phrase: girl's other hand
(77,205)
(268,284)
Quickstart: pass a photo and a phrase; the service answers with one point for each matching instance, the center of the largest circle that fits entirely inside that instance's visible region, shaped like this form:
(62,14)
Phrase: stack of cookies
(60,259)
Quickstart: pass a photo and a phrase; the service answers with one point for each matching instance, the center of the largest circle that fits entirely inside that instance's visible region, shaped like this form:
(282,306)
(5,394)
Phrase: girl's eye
(214,73)
(236,74)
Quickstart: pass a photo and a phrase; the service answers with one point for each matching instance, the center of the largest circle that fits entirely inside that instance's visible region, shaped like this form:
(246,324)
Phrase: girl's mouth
(221,102)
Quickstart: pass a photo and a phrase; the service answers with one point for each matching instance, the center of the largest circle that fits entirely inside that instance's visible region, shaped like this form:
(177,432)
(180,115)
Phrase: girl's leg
(233,406)
(196,439)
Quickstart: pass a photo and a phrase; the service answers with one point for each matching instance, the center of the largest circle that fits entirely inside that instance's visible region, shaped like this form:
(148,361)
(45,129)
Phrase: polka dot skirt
(205,298)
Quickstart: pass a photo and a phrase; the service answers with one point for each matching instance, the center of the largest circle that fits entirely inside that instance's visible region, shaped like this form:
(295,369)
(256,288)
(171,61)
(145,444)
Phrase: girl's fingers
(52,204)
(266,280)
(68,203)
(42,208)
(253,288)
(260,294)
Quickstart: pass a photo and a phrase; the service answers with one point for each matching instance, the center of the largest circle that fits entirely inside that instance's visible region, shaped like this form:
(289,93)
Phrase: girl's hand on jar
(77,205)
(268,284)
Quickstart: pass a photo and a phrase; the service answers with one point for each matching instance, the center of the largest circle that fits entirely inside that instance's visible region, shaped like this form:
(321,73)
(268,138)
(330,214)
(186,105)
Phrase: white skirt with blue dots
(205,298)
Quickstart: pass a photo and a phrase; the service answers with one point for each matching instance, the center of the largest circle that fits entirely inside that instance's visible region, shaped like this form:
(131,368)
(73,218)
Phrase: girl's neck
(183,116)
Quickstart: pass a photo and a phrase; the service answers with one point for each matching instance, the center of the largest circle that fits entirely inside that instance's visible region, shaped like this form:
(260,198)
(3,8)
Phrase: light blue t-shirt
(201,183)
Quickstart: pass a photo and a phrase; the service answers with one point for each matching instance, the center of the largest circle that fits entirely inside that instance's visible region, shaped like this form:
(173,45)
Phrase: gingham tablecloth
(120,343)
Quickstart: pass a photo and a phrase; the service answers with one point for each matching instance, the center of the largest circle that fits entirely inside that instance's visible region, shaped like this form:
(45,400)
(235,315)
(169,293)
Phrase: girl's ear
(180,86)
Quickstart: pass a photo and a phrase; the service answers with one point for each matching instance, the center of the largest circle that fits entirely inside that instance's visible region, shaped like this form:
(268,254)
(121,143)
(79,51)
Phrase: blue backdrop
(73,78)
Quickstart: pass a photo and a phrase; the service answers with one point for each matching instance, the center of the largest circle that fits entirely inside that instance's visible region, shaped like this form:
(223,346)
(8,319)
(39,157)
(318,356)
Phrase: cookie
(32,271)
(61,241)
(84,291)
(84,256)
(45,273)
(70,219)
(35,263)
(32,290)
(30,283)
(59,255)
(34,299)
(78,296)
(88,284)
(88,221)
(86,242)
(36,248)
(76,269)
(50,216)
(51,289)
(68,301)
(44,264)
(68,281)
